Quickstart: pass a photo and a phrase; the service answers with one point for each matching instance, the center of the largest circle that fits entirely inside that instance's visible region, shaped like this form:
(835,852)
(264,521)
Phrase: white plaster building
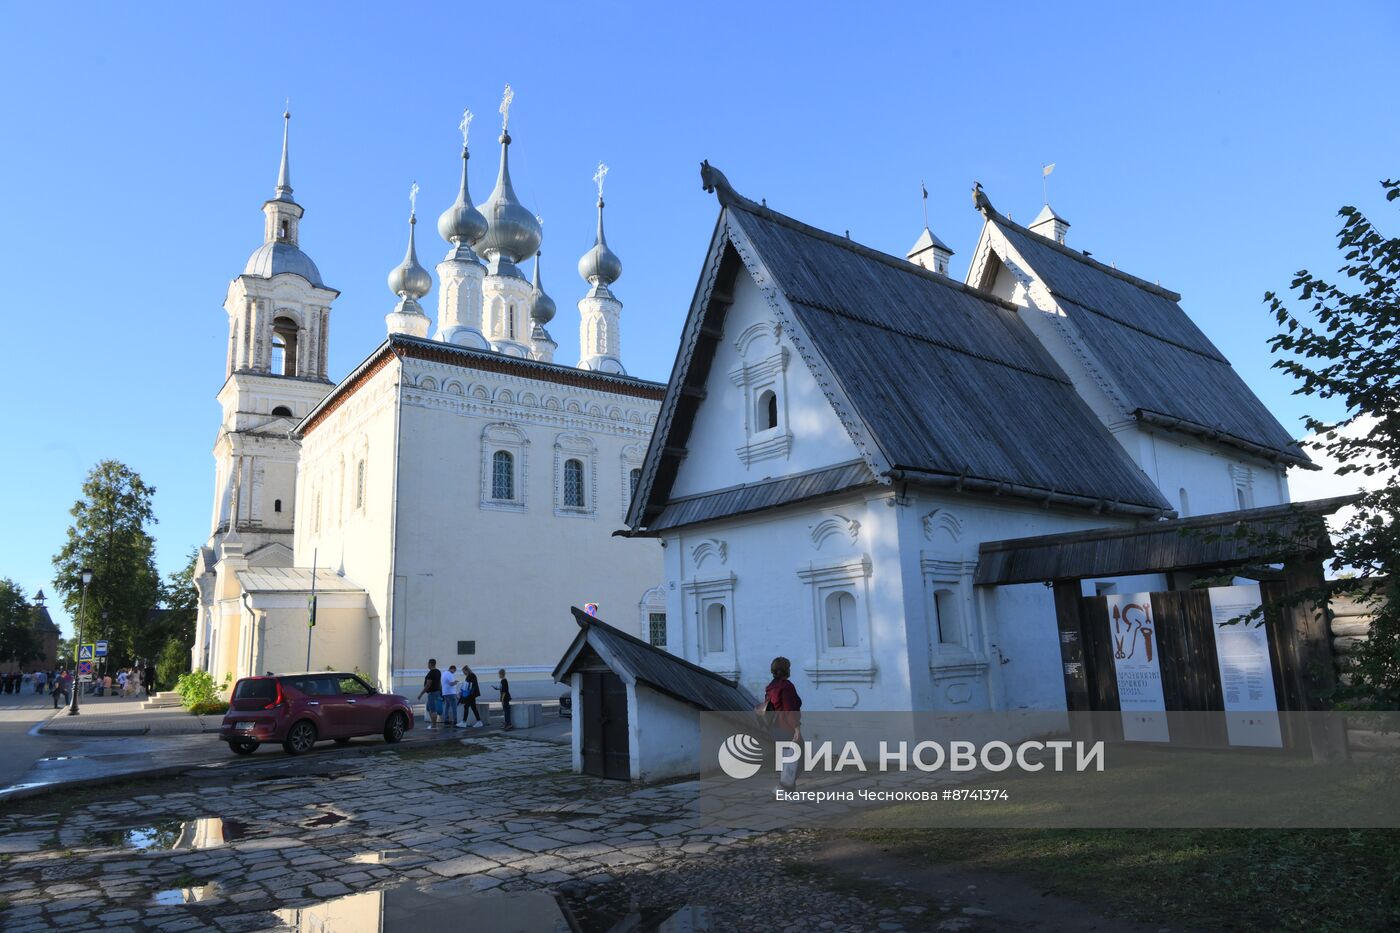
(843,429)
(455,495)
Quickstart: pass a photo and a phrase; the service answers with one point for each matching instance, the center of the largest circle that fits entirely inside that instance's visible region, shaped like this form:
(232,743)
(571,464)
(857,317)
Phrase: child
(504,688)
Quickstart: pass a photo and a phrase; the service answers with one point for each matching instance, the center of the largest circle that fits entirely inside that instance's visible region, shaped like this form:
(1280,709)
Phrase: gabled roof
(1168,370)
(295,580)
(935,381)
(635,661)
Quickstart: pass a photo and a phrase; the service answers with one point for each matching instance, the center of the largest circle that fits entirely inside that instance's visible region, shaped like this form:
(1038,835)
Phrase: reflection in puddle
(329,818)
(203,833)
(412,910)
(196,895)
(14,787)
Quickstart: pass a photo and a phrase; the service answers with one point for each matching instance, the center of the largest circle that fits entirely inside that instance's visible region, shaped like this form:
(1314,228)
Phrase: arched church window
(767,409)
(284,347)
(276,505)
(510,323)
(634,479)
(502,475)
(283,233)
(841,629)
(573,484)
(360,485)
(282,411)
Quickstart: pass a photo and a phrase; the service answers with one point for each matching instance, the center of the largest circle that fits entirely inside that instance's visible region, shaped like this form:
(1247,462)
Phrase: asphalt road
(19,713)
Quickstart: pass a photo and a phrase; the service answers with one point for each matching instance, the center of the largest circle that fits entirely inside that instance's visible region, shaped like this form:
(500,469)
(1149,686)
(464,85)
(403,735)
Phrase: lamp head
(86,574)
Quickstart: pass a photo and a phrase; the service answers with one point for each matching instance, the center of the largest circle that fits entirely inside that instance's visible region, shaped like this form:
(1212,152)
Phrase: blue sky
(1205,145)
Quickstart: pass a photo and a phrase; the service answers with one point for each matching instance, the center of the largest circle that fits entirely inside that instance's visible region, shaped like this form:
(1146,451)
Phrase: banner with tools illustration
(1137,666)
(1246,674)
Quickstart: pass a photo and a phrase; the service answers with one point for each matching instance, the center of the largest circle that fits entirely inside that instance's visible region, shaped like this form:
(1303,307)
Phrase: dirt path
(968,900)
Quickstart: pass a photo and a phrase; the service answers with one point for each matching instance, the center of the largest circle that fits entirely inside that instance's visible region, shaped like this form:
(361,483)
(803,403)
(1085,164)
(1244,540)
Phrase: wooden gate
(606,752)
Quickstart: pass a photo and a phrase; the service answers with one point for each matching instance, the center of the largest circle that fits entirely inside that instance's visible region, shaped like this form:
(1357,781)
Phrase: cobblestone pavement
(247,850)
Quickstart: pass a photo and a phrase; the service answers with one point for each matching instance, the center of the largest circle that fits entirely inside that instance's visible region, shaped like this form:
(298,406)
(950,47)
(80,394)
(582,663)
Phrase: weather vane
(506,98)
(287,109)
(413,200)
(924,189)
(465,126)
(598,177)
(1045,171)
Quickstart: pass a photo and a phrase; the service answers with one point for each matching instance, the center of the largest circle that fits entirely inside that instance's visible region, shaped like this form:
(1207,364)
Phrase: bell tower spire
(284,175)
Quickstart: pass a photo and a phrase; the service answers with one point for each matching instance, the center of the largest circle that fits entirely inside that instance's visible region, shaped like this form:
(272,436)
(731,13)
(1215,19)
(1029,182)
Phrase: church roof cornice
(405,346)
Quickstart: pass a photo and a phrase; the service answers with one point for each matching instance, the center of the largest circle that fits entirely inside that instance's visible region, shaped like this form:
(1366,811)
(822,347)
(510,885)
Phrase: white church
(451,496)
(844,430)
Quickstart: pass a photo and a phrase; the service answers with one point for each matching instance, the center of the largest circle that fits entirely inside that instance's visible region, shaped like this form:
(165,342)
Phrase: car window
(255,690)
(315,686)
(354,687)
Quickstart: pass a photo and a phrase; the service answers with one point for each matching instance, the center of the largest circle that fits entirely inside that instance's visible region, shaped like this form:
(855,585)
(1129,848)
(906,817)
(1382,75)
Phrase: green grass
(1230,879)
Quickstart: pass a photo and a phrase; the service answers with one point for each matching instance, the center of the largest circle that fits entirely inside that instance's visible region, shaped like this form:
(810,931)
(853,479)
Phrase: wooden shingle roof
(946,382)
(1169,371)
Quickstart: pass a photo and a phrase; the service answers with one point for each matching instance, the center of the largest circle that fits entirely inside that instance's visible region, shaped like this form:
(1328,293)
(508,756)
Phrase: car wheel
(300,738)
(394,728)
(243,746)
(343,740)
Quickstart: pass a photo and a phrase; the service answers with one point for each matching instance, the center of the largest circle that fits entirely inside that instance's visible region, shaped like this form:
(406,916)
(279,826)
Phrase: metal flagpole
(311,618)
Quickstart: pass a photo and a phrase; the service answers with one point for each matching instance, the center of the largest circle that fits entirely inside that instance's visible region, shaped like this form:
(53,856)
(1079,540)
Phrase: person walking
(432,689)
(39,679)
(784,709)
(504,689)
(121,681)
(470,690)
(449,697)
(149,679)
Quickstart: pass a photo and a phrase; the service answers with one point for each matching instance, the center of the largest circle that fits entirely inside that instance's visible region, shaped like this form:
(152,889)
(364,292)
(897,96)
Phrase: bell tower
(275,373)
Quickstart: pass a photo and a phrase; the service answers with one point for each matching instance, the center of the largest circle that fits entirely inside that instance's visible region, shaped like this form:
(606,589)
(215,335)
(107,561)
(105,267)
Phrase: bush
(173,661)
(215,708)
(198,689)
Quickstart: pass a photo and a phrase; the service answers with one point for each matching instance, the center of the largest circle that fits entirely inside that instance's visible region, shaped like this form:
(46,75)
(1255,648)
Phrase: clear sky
(1206,145)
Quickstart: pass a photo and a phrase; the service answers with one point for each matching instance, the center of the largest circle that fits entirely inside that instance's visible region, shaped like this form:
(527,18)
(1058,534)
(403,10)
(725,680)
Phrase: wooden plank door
(617,756)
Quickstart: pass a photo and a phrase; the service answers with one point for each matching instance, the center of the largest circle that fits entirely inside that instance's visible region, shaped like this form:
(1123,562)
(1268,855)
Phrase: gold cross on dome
(598,177)
(413,198)
(465,125)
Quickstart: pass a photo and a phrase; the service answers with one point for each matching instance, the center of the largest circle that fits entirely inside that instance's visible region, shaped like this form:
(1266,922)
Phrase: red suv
(300,710)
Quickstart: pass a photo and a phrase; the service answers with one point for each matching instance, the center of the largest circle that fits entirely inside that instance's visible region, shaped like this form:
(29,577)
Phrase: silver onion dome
(461,224)
(512,232)
(542,306)
(600,265)
(408,279)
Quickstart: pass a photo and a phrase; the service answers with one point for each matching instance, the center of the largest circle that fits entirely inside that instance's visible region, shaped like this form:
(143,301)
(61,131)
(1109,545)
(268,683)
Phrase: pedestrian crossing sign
(86,652)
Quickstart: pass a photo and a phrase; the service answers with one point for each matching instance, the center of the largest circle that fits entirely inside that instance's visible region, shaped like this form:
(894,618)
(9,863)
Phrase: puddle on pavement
(203,833)
(18,787)
(60,758)
(407,909)
(193,895)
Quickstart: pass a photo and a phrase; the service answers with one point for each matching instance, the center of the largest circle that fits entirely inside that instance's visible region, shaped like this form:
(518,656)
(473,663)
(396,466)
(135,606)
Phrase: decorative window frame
(754,378)
(701,594)
(578,447)
(633,458)
(653,600)
(939,574)
(852,663)
(1242,484)
(502,435)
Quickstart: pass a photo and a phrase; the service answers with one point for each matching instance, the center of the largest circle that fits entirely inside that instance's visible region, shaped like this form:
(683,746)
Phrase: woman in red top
(781,699)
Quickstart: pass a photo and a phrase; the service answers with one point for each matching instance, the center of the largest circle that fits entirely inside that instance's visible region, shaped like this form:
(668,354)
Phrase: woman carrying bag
(784,709)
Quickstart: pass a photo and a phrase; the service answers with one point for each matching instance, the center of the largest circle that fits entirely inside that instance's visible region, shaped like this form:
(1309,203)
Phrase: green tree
(177,620)
(109,536)
(18,641)
(1347,348)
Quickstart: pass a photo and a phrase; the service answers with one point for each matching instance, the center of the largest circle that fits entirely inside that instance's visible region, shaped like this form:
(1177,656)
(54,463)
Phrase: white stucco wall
(663,735)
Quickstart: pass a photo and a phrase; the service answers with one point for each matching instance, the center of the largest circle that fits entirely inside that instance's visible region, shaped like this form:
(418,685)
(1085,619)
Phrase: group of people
(127,682)
(449,693)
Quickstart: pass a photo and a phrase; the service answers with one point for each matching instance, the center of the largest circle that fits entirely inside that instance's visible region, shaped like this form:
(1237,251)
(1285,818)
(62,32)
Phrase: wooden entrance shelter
(1282,547)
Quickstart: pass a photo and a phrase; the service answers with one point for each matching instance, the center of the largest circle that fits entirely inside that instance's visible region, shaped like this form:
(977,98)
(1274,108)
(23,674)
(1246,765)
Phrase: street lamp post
(86,574)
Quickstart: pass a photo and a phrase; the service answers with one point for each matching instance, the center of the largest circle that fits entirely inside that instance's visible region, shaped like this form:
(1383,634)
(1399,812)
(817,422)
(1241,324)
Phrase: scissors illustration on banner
(1135,619)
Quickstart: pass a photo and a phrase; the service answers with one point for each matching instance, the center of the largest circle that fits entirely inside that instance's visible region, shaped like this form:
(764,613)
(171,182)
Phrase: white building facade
(451,497)
(844,429)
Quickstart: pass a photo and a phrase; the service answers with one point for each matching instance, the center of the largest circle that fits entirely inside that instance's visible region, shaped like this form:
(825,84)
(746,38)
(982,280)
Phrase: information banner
(1246,676)
(1137,664)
